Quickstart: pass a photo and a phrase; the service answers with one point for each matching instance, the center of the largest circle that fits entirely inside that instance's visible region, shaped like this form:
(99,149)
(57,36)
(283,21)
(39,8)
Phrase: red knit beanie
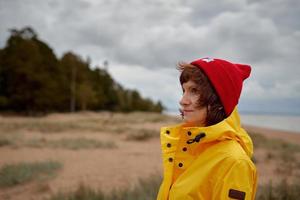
(227,79)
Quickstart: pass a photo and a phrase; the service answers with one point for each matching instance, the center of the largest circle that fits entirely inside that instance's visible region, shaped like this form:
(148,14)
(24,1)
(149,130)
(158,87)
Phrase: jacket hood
(228,129)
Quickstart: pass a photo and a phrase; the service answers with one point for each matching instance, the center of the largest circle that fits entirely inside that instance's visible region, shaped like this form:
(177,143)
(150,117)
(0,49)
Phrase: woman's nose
(184,100)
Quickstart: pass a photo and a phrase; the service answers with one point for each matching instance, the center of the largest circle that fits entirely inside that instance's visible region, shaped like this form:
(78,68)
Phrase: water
(279,122)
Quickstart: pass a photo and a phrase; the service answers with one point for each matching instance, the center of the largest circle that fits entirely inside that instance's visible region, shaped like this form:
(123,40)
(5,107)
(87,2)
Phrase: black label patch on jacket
(236,194)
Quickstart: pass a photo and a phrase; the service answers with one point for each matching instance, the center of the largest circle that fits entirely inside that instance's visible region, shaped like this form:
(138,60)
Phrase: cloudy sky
(143,41)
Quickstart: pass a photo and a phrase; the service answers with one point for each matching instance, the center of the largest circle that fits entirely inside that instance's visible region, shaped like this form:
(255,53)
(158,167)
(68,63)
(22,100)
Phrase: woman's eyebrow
(189,87)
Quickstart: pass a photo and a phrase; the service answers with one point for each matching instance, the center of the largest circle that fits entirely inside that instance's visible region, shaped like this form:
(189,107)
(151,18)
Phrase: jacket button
(169,145)
(184,149)
(180,164)
(168,132)
(170,159)
(189,133)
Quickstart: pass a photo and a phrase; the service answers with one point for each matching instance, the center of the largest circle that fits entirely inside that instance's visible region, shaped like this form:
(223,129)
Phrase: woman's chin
(187,121)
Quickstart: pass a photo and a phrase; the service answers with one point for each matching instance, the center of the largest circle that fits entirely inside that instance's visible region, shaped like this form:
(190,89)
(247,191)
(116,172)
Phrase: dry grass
(88,130)
(141,134)
(78,122)
(281,191)
(284,155)
(15,174)
(70,143)
(145,189)
(74,143)
(12,129)
(261,141)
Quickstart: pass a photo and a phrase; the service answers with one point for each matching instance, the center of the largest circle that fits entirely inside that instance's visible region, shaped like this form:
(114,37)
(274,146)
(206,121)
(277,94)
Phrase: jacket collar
(228,129)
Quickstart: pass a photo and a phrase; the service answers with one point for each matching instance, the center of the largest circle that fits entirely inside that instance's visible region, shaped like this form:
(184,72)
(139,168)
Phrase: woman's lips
(187,111)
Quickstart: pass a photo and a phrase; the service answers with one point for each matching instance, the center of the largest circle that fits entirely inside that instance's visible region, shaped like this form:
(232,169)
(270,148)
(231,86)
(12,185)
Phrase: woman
(208,157)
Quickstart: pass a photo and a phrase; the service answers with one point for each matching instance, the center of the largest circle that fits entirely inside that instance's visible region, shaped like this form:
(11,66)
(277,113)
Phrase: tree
(33,80)
(29,73)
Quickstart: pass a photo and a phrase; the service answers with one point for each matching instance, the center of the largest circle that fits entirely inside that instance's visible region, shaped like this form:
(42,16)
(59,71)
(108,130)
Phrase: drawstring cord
(196,139)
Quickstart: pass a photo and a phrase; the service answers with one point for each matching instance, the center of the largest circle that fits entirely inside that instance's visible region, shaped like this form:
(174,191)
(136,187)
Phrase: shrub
(15,174)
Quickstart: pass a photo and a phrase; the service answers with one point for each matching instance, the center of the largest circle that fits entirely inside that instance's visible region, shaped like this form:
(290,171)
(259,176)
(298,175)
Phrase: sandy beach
(133,153)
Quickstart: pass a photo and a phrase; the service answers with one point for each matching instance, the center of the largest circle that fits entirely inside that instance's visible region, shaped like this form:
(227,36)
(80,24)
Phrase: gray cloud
(285,14)
(155,35)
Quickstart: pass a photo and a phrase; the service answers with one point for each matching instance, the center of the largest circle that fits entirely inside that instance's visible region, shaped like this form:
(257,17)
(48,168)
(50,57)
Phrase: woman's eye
(194,90)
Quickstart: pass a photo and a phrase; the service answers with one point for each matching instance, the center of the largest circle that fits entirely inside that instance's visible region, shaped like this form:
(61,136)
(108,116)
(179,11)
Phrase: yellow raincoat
(208,163)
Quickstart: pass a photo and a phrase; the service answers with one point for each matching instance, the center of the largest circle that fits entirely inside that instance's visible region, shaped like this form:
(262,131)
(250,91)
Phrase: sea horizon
(273,120)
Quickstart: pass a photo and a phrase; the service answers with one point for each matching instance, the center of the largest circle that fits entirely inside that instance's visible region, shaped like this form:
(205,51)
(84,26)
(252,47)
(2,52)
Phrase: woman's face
(192,114)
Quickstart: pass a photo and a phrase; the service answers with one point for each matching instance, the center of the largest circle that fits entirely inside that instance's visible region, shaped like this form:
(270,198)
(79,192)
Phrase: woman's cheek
(194,99)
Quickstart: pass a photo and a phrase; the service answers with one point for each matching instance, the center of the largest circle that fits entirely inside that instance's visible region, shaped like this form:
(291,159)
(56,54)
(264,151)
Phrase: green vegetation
(142,135)
(79,122)
(11,139)
(39,125)
(71,143)
(145,189)
(284,153)
(261,141)
(4,141)
(33,81)
(15,174)
(282,191)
